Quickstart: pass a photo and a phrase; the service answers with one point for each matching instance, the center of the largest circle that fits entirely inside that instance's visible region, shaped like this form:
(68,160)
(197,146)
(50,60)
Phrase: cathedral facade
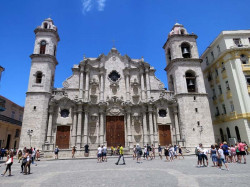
(114,99)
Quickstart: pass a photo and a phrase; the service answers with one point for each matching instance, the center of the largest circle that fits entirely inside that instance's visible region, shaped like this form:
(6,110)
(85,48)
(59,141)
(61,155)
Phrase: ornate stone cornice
(53,58)
(39,29)
(187,61)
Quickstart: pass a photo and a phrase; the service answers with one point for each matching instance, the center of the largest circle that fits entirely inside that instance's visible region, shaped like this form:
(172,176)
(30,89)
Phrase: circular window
(114,76)
(162,113)
(65,113)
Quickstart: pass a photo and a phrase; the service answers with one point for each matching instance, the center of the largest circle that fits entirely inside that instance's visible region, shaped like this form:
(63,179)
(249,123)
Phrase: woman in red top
(9,162)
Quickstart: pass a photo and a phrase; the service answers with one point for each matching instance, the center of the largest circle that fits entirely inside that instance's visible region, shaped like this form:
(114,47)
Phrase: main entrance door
(164,134)
(115,134)
(62,137)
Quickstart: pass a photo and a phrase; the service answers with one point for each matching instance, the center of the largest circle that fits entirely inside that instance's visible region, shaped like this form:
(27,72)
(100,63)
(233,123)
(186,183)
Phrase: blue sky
(139,27)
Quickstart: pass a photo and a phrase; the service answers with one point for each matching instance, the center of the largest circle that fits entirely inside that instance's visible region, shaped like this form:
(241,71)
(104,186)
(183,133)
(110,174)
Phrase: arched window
(190,80)
(54,50)
(39,76)
(45,25)
(244,59)
(237,133)
(172,82)
(42,47)
(221,135)
(182,31)
(228,133)
(169,54)
(185,49)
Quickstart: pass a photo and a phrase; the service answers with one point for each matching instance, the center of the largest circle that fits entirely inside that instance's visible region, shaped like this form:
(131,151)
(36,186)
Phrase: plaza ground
(87,172)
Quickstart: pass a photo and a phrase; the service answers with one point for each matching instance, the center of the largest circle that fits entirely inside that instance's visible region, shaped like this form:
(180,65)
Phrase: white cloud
(101,4)
(87,5)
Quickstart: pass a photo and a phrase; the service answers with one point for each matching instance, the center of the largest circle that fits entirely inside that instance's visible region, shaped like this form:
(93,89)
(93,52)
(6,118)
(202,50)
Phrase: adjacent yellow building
(11,117)
(226,71)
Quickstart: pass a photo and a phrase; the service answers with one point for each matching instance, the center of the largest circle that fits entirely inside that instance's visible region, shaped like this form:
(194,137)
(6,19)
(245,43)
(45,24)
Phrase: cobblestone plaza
(87,172)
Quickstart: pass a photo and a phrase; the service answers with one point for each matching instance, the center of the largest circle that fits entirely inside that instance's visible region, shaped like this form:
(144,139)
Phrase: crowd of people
(222,154)
(26,157)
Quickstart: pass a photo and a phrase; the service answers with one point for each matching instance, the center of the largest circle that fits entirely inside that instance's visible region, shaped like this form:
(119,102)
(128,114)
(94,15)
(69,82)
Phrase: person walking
(166,152)
(180,152)
(121,154)
(153,152)
(19,155)
(56,152)
(28,161)
(145,152)
(138,153)
(8,163)
(221,158)
(159,151)
(73,151)
(37,155)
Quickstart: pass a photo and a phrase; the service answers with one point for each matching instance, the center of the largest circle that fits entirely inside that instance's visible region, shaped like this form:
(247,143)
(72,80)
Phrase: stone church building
(114,99)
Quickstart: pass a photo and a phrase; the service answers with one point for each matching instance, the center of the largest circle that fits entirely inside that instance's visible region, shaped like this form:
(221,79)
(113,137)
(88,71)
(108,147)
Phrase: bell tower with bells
(41,83)
(185,79)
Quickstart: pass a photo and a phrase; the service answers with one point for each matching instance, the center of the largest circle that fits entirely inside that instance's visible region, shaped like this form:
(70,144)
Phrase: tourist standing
(145,152)
(104,151)
(153,151)
(86,150)
(112,150)
(213,155)
(56,152)
(19,155)
(233,153)
(2,153)
(138,153)
(242,150)
(225,150)
(171,153)
(73,151)
(166,152)
(99,154)
(159,151)
(37,155)
(8,163)
(198,152)
(121,152)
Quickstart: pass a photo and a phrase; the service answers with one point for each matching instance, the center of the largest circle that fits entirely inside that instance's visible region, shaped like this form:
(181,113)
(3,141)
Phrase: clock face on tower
(114,76)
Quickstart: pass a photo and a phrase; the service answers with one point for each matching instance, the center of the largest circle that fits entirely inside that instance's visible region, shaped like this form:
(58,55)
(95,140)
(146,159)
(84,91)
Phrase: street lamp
(29,132)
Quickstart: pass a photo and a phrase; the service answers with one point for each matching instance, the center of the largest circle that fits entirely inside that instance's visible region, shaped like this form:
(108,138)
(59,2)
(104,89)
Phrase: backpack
(196,151)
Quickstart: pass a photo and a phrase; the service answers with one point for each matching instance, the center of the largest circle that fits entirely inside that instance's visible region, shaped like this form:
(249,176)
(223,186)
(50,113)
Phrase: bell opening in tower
(190,80)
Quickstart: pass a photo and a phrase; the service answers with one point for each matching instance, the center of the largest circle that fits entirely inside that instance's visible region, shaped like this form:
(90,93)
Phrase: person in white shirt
(99,154)
(204,157)
(221,158)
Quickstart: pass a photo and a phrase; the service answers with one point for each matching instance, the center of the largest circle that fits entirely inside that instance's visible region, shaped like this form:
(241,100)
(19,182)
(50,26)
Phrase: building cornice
(187,60)
(179,36)
(44,56)
(232,117)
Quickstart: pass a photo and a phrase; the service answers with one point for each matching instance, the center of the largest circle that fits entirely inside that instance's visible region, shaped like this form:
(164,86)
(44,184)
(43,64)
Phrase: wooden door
(115,134)
(62,137)
(164,134)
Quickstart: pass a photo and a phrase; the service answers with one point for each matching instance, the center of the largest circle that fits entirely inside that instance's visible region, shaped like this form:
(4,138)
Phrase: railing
(245,67)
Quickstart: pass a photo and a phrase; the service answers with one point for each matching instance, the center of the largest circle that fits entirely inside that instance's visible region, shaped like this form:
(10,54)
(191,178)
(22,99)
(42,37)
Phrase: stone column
(73,142)
(101,111)
(150,116)
(81,83)
(126,73)
(144,123)
(101,86)
(86,124)
(155,128)
(79,127)
(128,111)
(142,85)
(147,84)
(177,128)
(87,85)
(49,130)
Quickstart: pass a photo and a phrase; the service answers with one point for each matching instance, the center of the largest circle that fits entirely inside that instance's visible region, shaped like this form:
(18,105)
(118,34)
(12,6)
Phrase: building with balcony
(10,124)
(226,71)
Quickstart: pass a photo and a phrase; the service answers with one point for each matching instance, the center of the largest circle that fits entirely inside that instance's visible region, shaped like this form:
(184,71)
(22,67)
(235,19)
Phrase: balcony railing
(224,74)
(229,94)
(221,98)
(245,67)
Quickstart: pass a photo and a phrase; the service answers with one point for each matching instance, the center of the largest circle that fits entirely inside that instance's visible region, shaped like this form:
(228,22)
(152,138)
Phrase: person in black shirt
(86,150)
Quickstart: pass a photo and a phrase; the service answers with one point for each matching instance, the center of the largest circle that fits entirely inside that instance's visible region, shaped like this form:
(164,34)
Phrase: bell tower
(41,82)
(185,79)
